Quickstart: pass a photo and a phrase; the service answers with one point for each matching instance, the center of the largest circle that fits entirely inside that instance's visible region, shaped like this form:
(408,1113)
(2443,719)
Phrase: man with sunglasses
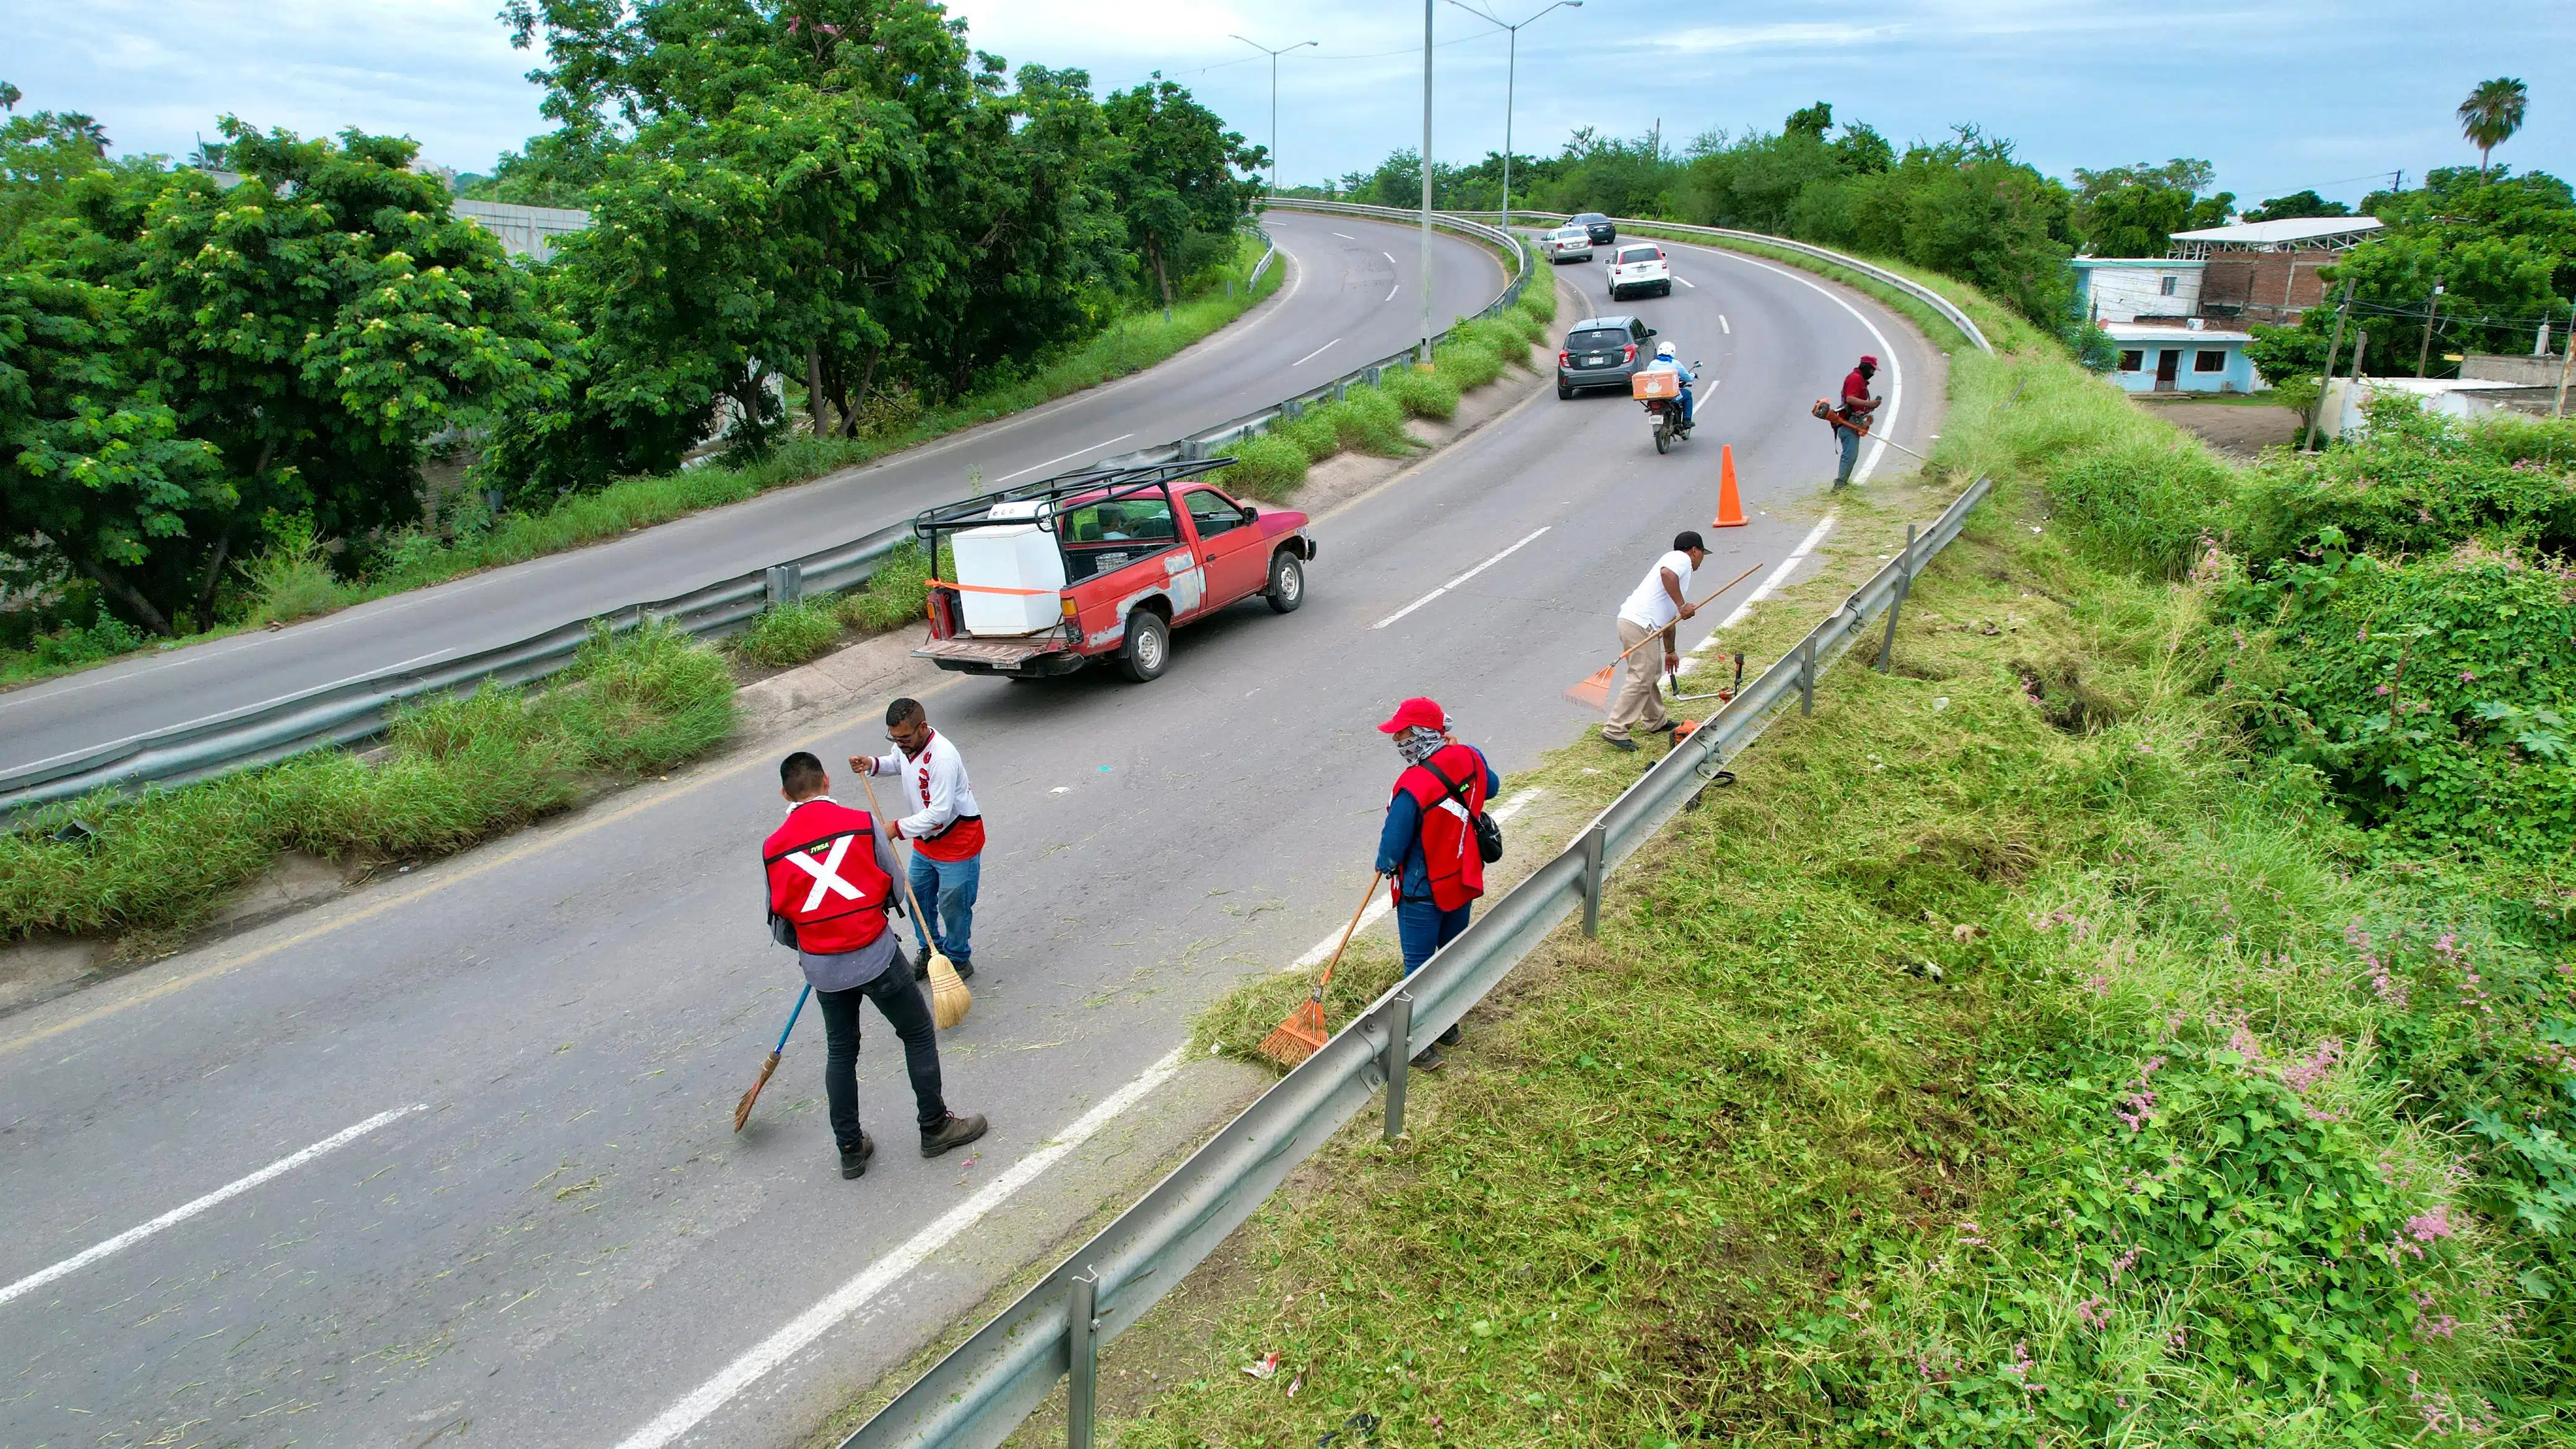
(944,826)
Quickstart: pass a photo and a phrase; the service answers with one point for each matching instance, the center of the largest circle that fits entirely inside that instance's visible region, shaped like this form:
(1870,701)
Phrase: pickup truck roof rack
(1120,481)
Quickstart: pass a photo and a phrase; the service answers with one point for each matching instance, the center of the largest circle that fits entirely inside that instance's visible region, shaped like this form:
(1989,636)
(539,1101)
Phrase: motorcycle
(1666,413)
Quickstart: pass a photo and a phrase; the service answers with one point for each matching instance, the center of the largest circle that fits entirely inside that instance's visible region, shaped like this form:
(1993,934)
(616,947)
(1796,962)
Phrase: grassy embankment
(455,771)
(296,579)
(2055,1041)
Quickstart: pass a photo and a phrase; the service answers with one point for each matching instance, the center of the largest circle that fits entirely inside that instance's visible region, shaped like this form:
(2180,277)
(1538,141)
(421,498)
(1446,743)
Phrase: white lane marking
(1462,578)
(1391,291)
(1318,352)
(1694,286)
(1378,908)
(1723,326)
(1895,370)
(1779,576)
(185,1211)
(218,714)
(1390,257)
(1076,453)
(877,1277)
(1346,236)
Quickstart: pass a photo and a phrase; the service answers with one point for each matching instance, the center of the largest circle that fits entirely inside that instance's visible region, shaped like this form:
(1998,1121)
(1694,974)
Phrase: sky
(2281,96)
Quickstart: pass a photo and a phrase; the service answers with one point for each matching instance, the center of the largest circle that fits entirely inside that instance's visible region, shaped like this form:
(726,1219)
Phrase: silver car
(1568,243)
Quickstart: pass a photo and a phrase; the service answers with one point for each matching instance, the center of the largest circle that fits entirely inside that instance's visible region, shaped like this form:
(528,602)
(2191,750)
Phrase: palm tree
(2491,114)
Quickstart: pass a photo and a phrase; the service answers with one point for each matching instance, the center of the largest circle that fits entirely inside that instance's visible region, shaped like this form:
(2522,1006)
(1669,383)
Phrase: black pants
(900,999)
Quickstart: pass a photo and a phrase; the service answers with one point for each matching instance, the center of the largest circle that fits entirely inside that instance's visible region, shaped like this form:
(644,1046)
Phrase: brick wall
(2270,287)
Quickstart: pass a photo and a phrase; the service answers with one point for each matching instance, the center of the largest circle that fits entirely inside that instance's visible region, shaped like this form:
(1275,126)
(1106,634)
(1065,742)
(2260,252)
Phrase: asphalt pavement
(520,1217)
(1352,295)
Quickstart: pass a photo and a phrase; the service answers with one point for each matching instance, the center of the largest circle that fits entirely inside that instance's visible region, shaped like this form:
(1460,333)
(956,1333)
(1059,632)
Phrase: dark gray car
(1601,229)
(1602,352)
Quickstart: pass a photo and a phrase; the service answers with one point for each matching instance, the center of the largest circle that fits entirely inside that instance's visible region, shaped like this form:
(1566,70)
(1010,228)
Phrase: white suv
(1639,267)
(1567,243)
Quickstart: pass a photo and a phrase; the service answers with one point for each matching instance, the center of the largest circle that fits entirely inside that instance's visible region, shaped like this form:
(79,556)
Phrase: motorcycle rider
(1666,361)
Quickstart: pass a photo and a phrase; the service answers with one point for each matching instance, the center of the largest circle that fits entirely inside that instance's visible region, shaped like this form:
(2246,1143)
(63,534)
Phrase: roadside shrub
(2145,506)
(1313,433)
(1366,420)
(1538,299)
(643,700)
(1422,394)
(105,638)
(1265,467)
(790,635)
(291,579)
(1468,364)
(2417,483)
(898,593)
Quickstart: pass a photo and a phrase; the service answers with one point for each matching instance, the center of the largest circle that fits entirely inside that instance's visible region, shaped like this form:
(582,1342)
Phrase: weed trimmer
(1826,411)
(1595,690)
(742,1109)
(949,998)
(1726,691)
(1302,1034)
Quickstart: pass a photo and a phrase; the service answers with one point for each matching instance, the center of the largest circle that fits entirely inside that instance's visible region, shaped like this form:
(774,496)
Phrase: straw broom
(1595,691)
(742,1109)
(1302,1034)
(949,998)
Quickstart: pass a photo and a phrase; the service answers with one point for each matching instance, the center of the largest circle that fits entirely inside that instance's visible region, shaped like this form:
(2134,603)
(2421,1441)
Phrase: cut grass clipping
(459,769)
(1370,420)
(2013,1057)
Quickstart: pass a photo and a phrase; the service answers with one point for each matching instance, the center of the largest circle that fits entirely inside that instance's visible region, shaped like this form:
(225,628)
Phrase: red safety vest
(823,877)
(1449,854)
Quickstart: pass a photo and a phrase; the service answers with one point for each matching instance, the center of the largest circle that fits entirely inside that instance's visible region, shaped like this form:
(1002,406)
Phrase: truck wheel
(1287,583)
(1148,647)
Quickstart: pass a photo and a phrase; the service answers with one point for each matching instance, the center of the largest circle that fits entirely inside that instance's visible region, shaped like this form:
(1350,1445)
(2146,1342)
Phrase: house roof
(2161,264)
(2206,336)
(2297,230)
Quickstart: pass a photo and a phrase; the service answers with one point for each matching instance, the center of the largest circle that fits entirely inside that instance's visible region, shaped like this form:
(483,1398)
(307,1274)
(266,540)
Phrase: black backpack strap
(1447,784)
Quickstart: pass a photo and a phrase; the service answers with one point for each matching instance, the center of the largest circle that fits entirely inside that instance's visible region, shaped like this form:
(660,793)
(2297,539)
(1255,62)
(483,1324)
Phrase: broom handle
(1347,932)
(1695,603)
(866,782)
(798,1011)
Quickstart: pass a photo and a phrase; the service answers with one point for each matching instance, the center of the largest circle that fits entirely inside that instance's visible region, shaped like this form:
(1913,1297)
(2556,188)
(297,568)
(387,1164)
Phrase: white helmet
(1663,352)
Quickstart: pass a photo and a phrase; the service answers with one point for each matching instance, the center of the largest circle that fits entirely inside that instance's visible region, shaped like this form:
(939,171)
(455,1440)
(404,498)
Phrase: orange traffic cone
(1730,508)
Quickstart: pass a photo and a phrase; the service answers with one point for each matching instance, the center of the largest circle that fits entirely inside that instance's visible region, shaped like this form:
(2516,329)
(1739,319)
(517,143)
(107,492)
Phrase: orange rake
(1302,1034)
(1595,690)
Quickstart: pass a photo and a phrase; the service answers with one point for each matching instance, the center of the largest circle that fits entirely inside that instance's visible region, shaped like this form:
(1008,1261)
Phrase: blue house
(2163,357)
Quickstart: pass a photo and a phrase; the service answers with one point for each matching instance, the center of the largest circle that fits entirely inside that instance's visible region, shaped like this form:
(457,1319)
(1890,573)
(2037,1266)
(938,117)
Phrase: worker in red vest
(831,882)
(1429,840)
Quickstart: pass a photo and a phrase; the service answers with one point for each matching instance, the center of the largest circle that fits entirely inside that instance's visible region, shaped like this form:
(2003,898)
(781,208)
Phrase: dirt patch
(2239,430)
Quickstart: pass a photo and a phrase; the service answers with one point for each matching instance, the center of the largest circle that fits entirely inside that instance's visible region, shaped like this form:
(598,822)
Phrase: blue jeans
(1423,928)
(1851,453)
(1688,404)
(946,890)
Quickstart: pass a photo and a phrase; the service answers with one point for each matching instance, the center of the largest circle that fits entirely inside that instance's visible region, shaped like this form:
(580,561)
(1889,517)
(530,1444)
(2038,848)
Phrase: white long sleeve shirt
(935,787)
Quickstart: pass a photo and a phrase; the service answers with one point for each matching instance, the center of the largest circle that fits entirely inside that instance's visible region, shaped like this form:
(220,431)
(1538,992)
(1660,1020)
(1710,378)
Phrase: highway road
(1352,295)
(501,1200)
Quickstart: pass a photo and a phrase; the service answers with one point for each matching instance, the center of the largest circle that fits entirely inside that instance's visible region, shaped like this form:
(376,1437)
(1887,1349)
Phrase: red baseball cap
(1868,361)
(1416,712)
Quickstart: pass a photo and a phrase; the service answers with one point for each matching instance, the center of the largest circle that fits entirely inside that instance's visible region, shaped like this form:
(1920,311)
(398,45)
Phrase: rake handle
(1347,932)
(1695,603)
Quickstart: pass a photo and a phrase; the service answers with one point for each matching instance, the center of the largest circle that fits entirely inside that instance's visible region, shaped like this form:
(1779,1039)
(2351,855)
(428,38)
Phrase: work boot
(1623,745)
(854,1161)
(1665,728)
(965,967)
(1428,1059)
(1451,1036)
(955,1132)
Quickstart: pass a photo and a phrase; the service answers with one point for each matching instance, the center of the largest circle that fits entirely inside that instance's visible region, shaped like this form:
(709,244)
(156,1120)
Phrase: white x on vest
(827,876)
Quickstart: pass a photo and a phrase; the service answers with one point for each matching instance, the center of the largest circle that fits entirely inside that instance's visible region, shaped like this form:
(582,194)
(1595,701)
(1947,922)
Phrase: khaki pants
(1638,705)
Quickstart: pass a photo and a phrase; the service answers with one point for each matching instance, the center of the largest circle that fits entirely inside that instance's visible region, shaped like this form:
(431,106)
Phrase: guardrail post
(1593,841)
(1807,675)
(1082,1384)
(1399,1060)
(1895,606)
(786,585)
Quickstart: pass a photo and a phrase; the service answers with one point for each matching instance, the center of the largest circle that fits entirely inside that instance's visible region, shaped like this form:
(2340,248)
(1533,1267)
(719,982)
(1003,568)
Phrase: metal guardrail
(1949,310)
(357,709)
(977,1395)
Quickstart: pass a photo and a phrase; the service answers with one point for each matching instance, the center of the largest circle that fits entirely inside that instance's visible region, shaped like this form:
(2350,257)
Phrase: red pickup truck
(1100,563)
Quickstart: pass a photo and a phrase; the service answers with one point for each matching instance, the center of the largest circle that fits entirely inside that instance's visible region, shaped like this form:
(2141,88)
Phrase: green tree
(2492,113)
(1173,173)
(2296,204)
(1811,121)
(40,155)
(2133,211)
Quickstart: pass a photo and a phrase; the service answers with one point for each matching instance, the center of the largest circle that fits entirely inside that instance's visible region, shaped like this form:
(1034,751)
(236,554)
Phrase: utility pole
(1425,358)
(1511,85)
(2327,380)
(1274,99)
(2567,360)
(2432,308)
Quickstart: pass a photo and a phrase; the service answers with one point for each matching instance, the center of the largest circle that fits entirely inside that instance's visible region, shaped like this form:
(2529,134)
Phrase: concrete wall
(525,231)
(2124,294)
(2236,373)
(2541,371)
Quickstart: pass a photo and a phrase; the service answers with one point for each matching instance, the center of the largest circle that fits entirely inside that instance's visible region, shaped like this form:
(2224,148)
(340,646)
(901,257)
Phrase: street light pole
(1425,272)
(1274,98)
(1511,85)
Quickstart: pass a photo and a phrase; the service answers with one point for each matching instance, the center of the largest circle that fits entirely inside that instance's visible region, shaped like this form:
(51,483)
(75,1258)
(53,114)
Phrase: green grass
(287,585)
(459,769)
(2012,1057)
(790,635)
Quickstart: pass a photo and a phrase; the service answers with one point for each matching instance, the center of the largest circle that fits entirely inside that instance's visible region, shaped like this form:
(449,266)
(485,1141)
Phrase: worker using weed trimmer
(945,828)
(1436,840)
(1657,605)
(832,894)
(1851,417)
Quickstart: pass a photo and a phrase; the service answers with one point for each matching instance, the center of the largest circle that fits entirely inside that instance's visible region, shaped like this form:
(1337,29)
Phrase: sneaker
(965,968)
(1452,1036)
(956,1132)
(1666,727)
(1623,746)
(854,1162)
(1428,1059)
(921,969)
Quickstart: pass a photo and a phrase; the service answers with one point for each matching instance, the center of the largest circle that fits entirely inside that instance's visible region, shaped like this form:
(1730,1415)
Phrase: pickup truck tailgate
(999,653)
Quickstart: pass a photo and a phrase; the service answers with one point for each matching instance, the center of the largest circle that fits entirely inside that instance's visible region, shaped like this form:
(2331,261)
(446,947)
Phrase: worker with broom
(1657,605)
(833,899)
(1430,842)
(946,831)
(1851,418)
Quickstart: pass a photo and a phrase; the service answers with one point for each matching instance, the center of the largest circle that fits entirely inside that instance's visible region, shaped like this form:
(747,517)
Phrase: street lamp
(1511,78)
(1274,97)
